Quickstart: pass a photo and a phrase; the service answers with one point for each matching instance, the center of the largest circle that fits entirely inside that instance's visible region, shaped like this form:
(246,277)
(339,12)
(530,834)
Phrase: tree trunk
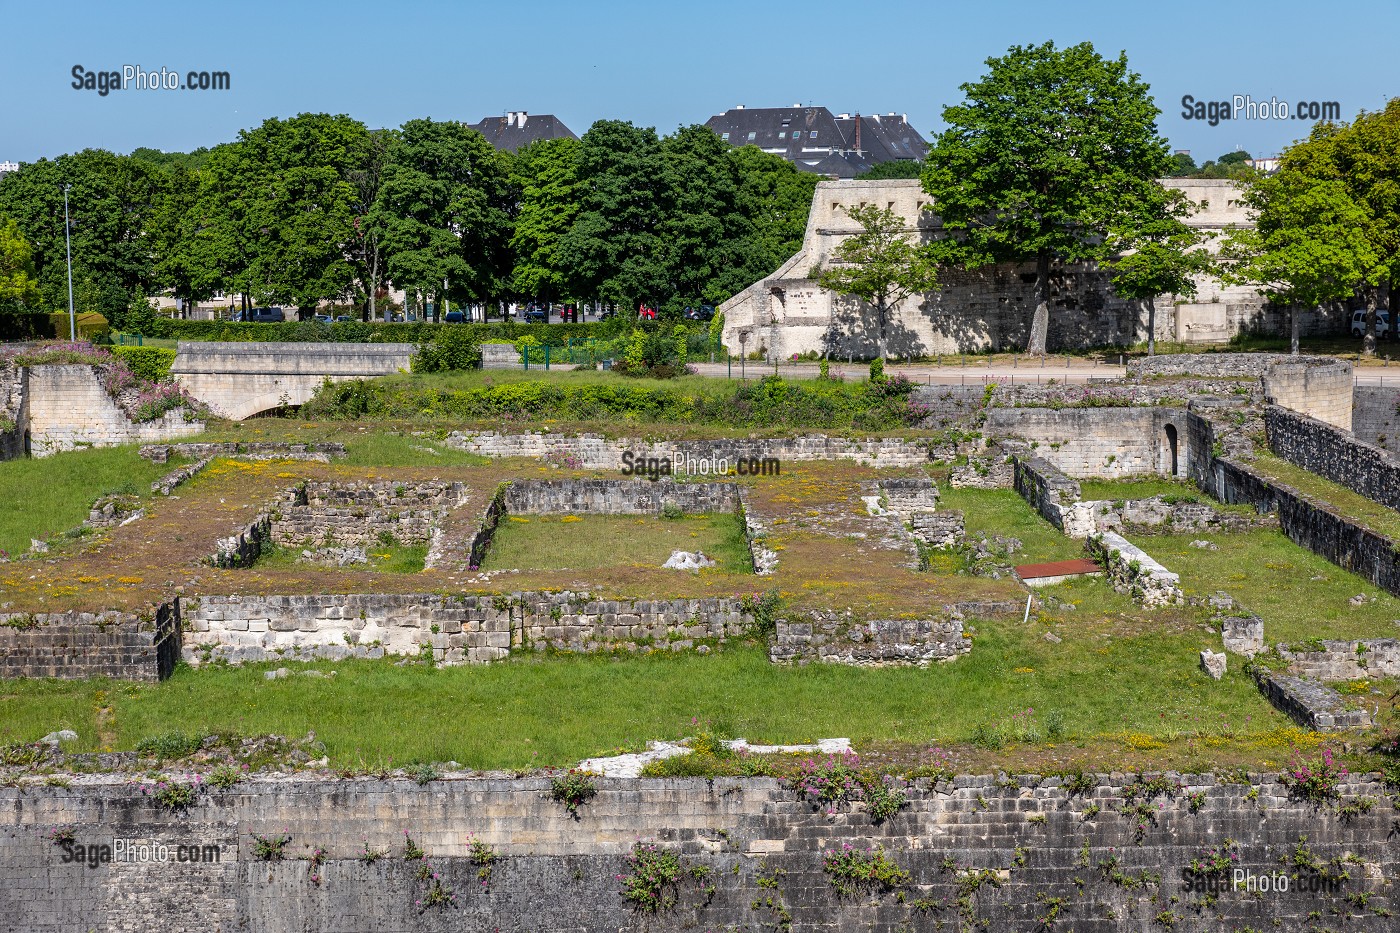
(880,316)
(1151,326)
(1293,318)
(1368,343)
(1040,321)
(373,275)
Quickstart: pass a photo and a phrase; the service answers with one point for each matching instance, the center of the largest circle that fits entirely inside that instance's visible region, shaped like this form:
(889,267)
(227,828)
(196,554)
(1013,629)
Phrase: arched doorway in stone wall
(1172,450)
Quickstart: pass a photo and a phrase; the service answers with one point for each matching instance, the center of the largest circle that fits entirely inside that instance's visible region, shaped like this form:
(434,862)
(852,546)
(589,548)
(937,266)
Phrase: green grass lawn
(581,542)
(40,498)
(1298,594)
(1003,512)
(1143,487)
(553,711)
(1375,516)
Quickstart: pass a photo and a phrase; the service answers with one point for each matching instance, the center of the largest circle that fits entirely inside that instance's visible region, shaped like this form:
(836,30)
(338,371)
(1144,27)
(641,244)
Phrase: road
(976,372)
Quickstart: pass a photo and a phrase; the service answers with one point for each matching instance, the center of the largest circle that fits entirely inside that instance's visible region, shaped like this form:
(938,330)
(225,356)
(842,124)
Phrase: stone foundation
(1134,572)
(595,452)
(755,841)
(1335,454)
(74,645)
(617,497)
(447,629)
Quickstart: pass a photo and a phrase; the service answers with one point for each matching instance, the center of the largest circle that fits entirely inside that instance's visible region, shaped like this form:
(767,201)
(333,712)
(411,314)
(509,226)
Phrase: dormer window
(724,136)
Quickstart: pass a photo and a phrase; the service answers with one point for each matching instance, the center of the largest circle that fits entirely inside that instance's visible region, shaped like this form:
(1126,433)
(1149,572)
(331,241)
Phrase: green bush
(768,403)
(149,363)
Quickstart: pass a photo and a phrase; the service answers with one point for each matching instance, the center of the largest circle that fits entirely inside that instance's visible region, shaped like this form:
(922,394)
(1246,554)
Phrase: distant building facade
(842,145)
(989,308)
(518,129)
(7,167)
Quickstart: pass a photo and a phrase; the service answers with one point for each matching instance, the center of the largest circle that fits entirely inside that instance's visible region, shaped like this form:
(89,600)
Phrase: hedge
(767,403)
(150,363)
(360,332)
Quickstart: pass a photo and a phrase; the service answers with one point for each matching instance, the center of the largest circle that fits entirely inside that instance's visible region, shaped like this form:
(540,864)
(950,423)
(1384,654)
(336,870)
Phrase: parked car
(323,318)
(646,313)
(342,319)
(1358,323)
(700,313)
(454,317)
(537,315)
(261,316)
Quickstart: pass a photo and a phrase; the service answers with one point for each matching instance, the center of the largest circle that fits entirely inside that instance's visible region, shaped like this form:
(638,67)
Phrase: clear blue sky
(660,63)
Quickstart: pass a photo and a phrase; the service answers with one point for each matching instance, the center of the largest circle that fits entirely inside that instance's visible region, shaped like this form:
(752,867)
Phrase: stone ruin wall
(762,844)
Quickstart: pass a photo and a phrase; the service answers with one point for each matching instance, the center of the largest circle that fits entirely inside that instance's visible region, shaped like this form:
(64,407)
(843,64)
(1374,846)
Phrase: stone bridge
(239,380)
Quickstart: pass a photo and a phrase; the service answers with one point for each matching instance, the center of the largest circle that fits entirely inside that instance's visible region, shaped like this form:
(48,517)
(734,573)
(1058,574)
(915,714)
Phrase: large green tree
(111,200)
(545,175)
(1308,246)
(18,286)
(1048,152)
(613,249)
(775,197)
(443,208)
(277,208)
(1365,157)
(1158,254)
(880,265)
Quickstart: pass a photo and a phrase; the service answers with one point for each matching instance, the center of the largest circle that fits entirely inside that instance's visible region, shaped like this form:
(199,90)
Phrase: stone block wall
(1334,453)
(14,409)
(361,514)
(1134,572)
(74,645)
(909,495)
(1098,442)
(69,408)
(1313,525)
(1321,390)
(1215,365)
(831,639)
(760,841)
(1346,660)
(627,496)
(1310,704)
(595,452)
(319,452)
(1038,481)
(1375,416)
(454,629)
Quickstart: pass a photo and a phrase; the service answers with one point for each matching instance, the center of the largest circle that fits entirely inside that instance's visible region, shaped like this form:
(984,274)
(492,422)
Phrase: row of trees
(318,207)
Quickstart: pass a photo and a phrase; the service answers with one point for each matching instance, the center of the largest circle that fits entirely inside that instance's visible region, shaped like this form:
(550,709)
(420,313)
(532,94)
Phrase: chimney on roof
(738,106)
(858,150)
(520,118)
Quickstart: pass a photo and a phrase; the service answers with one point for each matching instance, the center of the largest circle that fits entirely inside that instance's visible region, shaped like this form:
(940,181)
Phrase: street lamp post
(68,249)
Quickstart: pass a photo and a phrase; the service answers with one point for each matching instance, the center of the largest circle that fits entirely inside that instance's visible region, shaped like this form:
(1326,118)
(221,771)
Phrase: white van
(1358,322)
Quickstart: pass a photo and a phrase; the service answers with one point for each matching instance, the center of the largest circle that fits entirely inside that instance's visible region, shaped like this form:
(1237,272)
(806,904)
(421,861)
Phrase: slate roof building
(815,140)
(518,128)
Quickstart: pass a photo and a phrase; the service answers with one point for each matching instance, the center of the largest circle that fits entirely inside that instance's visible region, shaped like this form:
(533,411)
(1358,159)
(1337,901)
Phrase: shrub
(270,848)
(573,789)
(169,745)
(149,363)
(829,780)
(650,882)
(851,870)
(1317,781)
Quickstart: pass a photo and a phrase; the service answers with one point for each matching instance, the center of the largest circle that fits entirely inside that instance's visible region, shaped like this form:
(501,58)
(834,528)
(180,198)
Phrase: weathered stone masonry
(123,646)
(454,629)
(559,874)
(1333,453)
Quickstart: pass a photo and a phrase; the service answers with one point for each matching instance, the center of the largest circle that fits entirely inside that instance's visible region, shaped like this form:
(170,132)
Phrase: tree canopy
(1047,153)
